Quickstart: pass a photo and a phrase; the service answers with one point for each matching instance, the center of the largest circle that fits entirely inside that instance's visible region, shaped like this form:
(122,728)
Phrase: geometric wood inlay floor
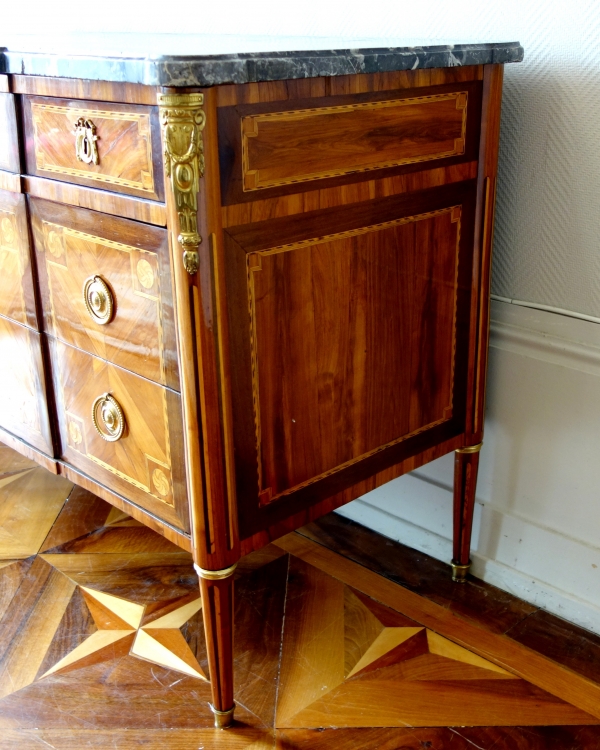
(102,646)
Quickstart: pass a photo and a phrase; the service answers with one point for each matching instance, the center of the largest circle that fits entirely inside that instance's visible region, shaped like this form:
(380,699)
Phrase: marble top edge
(210,66)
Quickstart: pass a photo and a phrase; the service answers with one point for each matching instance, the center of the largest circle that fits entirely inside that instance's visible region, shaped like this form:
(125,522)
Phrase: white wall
(538,493)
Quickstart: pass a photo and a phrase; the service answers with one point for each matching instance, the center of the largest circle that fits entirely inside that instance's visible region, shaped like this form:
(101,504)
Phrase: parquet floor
(101,644)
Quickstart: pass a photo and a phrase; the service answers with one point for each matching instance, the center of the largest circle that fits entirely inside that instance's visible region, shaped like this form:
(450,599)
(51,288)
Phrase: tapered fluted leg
(466,463)
(217,606)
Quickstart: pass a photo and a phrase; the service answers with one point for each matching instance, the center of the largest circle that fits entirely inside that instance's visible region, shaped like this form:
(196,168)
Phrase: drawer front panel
(270,149)
(9,137)
(16,282)
(144,464)
(105,145)
(87,259)
(23,407)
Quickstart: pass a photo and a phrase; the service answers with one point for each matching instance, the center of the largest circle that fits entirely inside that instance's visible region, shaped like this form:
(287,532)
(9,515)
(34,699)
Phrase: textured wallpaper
(547,246)
(547,242)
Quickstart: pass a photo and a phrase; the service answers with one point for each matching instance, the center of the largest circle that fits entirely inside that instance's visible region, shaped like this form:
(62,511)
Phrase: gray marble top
(203,60)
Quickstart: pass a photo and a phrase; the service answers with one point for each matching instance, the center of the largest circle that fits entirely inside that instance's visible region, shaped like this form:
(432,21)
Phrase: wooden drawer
(23,406)
(16,282)
(145,464)
(119,144)
(77,252)
(9,138)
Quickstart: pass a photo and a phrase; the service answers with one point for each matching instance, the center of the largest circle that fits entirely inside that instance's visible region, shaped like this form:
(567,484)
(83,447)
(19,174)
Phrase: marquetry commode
(238,291)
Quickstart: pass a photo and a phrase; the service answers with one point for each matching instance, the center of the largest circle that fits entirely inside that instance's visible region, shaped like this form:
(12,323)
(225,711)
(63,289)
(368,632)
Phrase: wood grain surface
(257,100)
(175,535)
(465,483)
(28,452)
(81,88)
(17,298)
(528,665)
(103,613)
(23,391)
(25,525)
(10,182)
(145,465)
(301,355)
(476,601)
(275,527)
(139,209)
(357,192)
(128,145)
(74,245)
(287,146)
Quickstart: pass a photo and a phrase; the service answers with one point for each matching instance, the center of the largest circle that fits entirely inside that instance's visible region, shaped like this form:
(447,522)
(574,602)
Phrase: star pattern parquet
(102,645)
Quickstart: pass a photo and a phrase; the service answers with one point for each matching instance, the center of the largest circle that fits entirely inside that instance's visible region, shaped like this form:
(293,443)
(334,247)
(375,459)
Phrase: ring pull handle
(108,418)
(98,300)
(86,149)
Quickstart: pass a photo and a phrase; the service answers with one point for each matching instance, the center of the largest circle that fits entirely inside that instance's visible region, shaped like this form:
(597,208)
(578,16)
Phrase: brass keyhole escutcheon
(86,149)
(108,418)
(98,300)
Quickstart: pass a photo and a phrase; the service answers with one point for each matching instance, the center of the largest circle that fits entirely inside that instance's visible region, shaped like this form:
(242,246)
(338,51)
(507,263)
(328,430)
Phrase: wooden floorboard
(476,601)
(438,738)
(499,649)
(561,641)
(342,641)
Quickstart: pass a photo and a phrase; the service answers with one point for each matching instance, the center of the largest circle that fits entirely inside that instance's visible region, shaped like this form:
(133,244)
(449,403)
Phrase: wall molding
(568,342)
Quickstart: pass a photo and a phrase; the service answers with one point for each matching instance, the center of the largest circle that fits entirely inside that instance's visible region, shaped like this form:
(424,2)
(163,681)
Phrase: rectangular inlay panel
(74,247)
(351,353)
(281,148)
(326,302)
(126,144)
(144,465)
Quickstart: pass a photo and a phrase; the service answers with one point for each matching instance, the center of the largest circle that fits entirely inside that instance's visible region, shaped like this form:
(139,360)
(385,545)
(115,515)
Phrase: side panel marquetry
(290,146)
(16,282)
(23,405)
(352,348)
(74,246)
(9,136)
(145,464)
(109,146)
(331,141)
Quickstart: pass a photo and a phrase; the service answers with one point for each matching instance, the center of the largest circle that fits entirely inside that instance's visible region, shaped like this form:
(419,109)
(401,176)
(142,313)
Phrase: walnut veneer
(282,306)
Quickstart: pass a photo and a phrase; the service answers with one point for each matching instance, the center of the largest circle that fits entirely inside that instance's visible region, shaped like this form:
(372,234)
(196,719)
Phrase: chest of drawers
(237,292)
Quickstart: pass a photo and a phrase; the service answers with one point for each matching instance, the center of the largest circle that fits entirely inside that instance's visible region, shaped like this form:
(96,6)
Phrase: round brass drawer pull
(107,411)
(98,300)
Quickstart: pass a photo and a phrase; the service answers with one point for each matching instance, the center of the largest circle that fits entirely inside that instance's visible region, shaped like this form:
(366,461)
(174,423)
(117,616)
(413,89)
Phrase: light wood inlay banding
(324,245)
(125,134)
(283,148)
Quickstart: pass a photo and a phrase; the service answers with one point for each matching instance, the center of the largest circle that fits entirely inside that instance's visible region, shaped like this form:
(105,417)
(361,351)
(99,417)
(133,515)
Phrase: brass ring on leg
(215,575)
(460,572)
(470,448)
(223,719)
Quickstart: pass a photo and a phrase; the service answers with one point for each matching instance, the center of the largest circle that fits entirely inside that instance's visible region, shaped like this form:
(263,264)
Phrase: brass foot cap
(223,719)
(460,572)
